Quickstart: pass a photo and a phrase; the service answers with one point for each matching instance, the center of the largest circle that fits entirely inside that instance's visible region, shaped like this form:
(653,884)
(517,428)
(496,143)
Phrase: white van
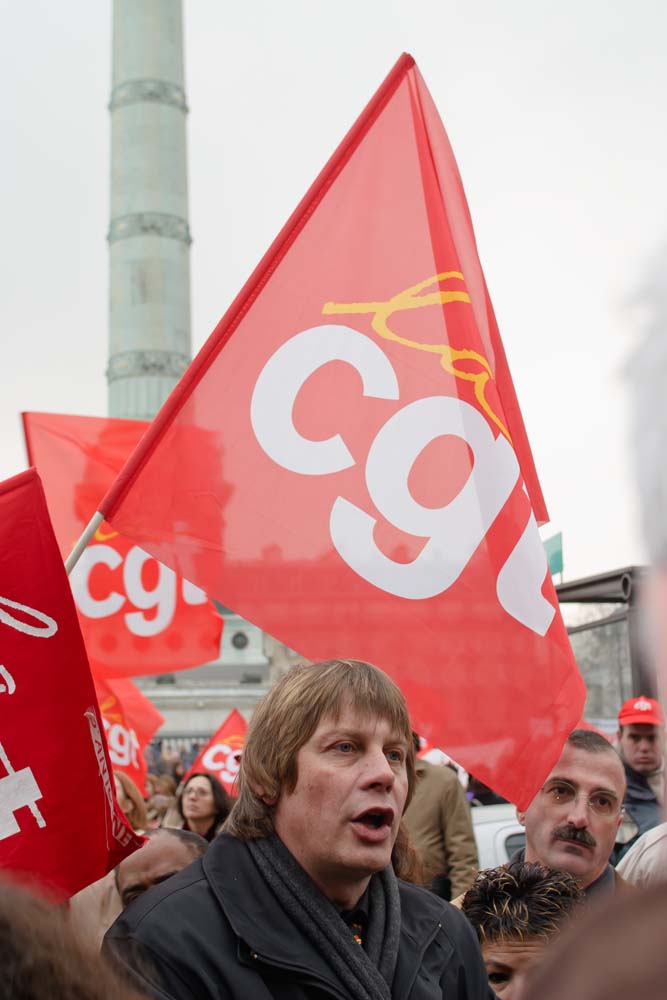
(498,833)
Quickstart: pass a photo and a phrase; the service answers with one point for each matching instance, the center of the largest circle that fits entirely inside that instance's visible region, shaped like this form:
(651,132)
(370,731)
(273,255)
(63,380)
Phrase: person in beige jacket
(440,827)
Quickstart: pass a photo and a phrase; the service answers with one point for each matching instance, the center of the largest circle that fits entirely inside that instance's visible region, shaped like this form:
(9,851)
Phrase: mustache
(574,835)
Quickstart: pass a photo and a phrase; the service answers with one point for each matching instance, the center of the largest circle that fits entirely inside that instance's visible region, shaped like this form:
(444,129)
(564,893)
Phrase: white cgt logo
(223,760)
(455,530)
(159,600)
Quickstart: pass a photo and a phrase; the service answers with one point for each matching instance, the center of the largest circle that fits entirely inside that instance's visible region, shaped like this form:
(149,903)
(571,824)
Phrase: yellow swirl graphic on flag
(451,358)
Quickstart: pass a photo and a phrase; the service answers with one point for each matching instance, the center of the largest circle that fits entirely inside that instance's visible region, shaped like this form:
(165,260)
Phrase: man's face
(162,856)
(341,820)
(642,747)
(508,963)
(575,833)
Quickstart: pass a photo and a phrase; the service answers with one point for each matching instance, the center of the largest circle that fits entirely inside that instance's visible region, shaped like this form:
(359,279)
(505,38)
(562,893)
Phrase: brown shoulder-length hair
(136,815)
(40,955)
(288,716)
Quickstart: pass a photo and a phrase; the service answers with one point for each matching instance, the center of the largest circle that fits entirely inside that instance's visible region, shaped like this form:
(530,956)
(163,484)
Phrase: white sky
(556,113)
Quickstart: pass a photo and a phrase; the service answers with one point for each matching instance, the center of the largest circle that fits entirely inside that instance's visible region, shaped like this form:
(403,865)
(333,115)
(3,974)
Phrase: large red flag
(137,616)
(221,756)
(59,822)
(373,493)
(130,723)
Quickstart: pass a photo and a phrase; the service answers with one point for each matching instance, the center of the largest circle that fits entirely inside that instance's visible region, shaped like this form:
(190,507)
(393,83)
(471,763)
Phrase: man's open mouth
(375,819)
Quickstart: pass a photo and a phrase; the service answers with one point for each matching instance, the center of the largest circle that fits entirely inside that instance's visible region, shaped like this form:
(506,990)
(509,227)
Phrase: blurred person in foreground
(299,897)
(202,807)
(616,952)
(41,959)
(572,822)
(641,744)
(517,910)
(440,828)
(619,950)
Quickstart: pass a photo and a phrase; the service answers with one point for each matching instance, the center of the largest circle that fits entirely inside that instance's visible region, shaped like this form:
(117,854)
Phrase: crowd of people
(328,874)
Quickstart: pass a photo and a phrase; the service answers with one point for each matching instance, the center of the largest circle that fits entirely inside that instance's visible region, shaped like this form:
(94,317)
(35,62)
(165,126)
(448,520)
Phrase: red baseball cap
(641,711)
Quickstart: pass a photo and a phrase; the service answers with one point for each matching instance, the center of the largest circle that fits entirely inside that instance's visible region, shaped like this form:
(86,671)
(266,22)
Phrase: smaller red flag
(137,616)
(59,821)
(130,722)
(221,756)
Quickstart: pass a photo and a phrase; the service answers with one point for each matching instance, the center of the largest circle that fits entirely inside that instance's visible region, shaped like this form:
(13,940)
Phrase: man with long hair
(302,894)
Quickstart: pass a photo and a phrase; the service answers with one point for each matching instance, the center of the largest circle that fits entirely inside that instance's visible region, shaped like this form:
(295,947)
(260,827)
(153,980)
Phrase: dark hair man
(641,744)
(516,911)
(571,823)
(298,896)
(165,853)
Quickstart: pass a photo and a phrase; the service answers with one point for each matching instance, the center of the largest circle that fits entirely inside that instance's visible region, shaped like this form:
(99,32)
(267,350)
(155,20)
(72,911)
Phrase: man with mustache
(572,822)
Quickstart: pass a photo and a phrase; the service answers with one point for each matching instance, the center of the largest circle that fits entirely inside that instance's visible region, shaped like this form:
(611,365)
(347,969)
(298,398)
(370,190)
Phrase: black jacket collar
(262,925)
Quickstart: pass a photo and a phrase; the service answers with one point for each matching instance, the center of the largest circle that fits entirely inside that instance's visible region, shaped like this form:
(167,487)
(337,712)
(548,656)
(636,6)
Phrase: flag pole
(88,533)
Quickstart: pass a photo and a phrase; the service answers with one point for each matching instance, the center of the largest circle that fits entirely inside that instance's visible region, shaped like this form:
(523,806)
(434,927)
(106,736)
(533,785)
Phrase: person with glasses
(572,822)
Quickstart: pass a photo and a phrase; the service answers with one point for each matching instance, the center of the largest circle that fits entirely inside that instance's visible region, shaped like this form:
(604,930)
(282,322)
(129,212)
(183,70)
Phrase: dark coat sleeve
(465,976)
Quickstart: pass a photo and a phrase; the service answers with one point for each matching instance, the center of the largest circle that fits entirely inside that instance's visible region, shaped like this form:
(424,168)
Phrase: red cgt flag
(221,756)
(130,722)
(59,822)
(137,616)
(373,493)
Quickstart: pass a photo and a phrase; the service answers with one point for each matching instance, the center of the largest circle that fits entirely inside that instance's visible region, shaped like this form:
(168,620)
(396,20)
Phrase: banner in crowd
(130,722)
(59,821)
(345,463)
(137,616)
(221,756)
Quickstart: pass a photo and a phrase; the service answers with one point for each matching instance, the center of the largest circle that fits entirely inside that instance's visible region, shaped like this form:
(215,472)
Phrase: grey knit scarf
(367,973)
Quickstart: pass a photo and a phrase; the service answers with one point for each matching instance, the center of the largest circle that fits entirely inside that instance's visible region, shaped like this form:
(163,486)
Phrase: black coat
(217,931)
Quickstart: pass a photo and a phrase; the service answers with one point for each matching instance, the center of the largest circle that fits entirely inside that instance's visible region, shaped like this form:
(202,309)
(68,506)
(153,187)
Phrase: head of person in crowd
(614,952)
(131,801)
(204,805)
(151,784)
(164,853)
(641,735)
(329,765)
(40,956)
(571,823)
(166,785)
(517,910)
(179,770)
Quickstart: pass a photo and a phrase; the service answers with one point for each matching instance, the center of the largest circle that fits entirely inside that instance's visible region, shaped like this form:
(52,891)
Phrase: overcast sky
(556,113)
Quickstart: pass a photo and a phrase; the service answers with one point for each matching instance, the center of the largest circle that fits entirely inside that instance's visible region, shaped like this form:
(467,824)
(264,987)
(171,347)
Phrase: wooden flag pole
(88,533)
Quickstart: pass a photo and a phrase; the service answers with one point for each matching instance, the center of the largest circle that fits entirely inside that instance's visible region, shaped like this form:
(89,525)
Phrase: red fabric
(222,754)
(59,822)
(137,617)
(130,722)
(345,463)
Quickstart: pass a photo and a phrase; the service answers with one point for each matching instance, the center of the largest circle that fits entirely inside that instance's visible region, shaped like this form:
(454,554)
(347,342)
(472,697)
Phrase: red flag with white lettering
(59,821)
(221,756)
(130,723)
(137,616)
(374,494)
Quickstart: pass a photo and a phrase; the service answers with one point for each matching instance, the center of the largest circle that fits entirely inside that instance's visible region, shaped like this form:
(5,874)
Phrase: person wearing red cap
(641,744)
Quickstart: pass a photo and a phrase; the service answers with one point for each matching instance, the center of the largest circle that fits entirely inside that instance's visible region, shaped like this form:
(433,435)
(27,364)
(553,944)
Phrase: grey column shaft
(149,237)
